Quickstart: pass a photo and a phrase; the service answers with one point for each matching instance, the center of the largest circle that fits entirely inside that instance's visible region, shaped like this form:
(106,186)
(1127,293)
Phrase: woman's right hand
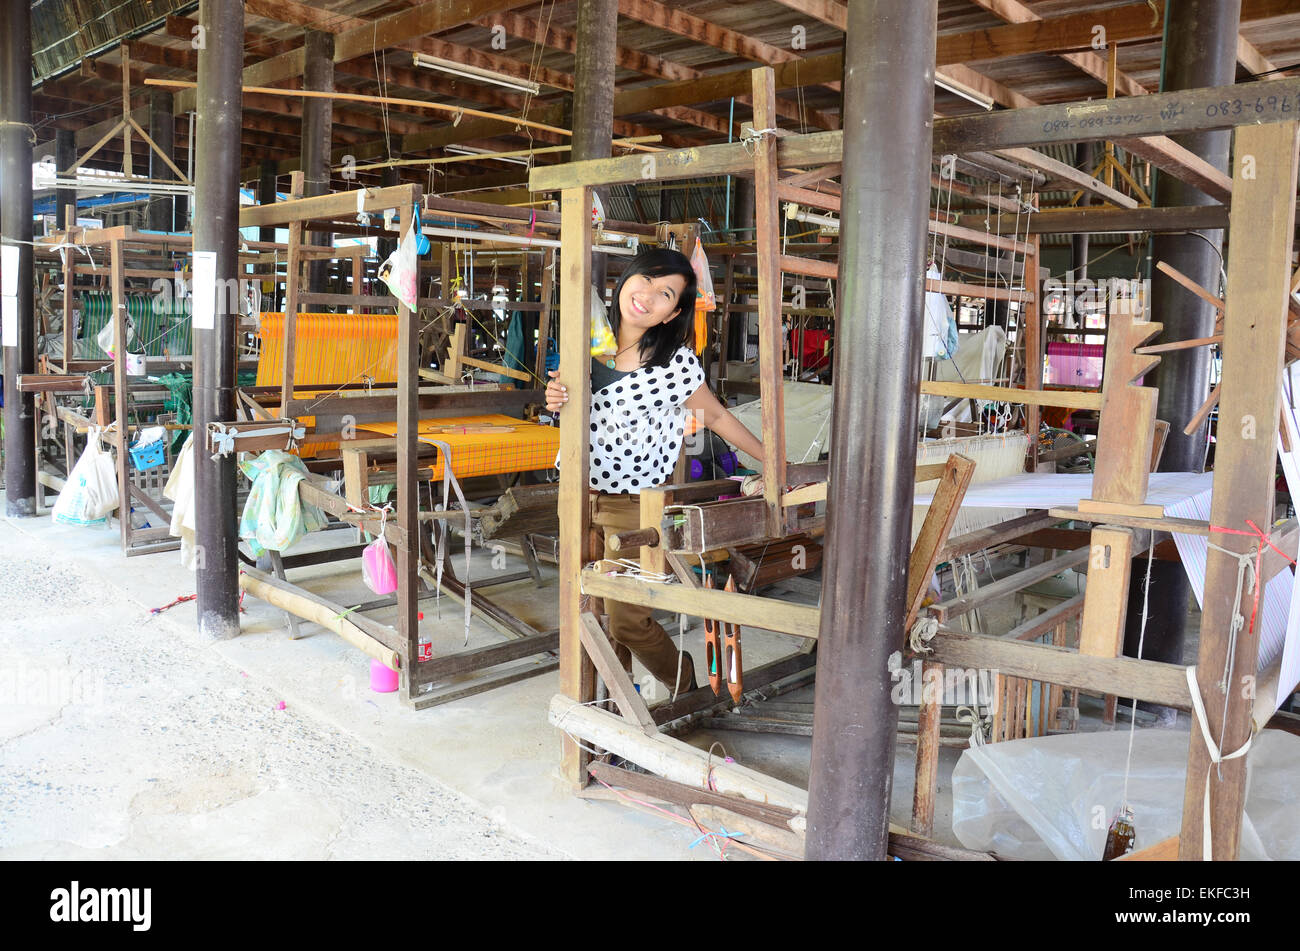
(556,393)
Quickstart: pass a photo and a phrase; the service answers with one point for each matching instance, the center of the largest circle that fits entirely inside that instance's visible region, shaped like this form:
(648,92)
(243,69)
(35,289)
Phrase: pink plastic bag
(377,567)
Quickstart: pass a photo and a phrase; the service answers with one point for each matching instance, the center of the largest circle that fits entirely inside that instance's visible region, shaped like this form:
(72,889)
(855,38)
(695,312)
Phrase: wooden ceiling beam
(367,36)
(566,41)
(703,31)
(1256,63)
(1013,11)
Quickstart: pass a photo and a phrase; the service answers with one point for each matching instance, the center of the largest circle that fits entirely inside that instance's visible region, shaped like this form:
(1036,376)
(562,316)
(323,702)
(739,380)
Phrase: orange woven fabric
(529,446)
(330,348)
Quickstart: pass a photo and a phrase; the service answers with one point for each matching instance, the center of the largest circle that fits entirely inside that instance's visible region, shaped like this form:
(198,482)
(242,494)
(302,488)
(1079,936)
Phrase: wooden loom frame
(1262,271)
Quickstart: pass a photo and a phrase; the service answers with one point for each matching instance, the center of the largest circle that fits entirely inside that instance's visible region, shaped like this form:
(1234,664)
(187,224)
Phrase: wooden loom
(1261,276)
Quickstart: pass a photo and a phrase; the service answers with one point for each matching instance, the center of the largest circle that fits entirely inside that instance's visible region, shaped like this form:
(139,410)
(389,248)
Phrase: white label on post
(9,270)
(204,286)
(9,321)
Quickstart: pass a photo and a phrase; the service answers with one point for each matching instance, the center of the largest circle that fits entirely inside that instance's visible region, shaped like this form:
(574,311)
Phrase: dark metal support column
(266,195)
(162,129)
(317,122)
(216,228)
(18,343)
(1084,160)
(888,105)
(65,153)
(593,96)
(1200,50)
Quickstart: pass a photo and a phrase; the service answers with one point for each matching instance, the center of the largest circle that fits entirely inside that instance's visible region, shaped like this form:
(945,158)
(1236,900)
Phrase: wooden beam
(1259,273)
(1119,220)
(1123,676)
(765,614)
(577,676)
(771,338)
(1068,173)
(1256,63)
(1013,11)
(1185,165)
(1073,399)
(364,40)
(1171,113)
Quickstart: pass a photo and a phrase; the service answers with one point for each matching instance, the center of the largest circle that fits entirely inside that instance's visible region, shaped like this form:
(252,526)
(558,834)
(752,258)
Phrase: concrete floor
(125,735)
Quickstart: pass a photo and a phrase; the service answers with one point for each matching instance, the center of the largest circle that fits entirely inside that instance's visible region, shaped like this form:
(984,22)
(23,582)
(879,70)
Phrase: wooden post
(928,721)
(1262,225)
(69,282)
(770,337)
(292,288)
(544,315)
(119,318)
(1032,321)
(577,675)
(408,499)
(724,334)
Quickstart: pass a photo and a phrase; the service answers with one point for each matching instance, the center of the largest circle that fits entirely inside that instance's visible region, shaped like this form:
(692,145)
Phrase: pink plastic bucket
(383,679)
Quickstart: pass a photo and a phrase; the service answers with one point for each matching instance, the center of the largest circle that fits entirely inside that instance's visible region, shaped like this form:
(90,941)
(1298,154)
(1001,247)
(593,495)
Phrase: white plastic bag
(401,271)
(1053,797)
(90,494)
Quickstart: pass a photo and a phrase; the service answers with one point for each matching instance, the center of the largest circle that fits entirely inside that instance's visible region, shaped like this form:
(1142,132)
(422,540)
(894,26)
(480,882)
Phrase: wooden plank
(1073,399)
(1046,622)
(1186,166)
(939,519)
(619,684)
(577,676)
(1166,268)
(983,538)
(1124,676)
(1071,32)
(1068,173)
(1166,850)
(1128,412)
(481,658)
(681,794)
(1032,321)
(771,339)
(928,732)
(1181,526)
(1109,567)
(1117,220)
(407,502)
(766,614)
(292,287)
(1013,11)
(946,610)
(652,502)
(1259,272)
(1168,113)
(120,392)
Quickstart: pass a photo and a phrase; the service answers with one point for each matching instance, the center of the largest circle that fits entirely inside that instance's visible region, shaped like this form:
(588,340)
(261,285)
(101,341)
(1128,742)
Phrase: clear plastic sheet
(1053,797)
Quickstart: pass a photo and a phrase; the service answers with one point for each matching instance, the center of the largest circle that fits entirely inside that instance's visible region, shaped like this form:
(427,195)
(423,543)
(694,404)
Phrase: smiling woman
(639,401)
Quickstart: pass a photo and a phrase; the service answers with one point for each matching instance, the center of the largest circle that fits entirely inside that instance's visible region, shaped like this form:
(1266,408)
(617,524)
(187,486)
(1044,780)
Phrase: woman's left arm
(718,418)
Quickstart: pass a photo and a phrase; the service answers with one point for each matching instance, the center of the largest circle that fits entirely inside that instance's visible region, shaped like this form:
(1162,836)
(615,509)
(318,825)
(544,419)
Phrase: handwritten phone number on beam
(1261,105)
(1096,122)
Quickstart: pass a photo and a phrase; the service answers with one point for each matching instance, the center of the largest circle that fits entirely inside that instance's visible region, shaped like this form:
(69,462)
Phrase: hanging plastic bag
(604,346)
(90,494)
(402,269)
(377,567)
(107,337)
(705,300)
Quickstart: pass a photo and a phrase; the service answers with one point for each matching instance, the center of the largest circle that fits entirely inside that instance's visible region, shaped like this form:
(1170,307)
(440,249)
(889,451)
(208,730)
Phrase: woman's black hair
(660,342)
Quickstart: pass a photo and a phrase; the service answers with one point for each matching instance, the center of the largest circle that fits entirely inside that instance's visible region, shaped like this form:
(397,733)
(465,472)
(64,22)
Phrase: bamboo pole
(374,100)
(318,612)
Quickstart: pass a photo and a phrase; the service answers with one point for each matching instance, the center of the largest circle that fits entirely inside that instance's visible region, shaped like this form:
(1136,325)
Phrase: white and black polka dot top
(637,423)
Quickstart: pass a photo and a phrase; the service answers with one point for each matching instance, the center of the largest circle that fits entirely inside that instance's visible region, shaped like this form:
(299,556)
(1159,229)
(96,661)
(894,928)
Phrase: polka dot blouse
(637,423)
